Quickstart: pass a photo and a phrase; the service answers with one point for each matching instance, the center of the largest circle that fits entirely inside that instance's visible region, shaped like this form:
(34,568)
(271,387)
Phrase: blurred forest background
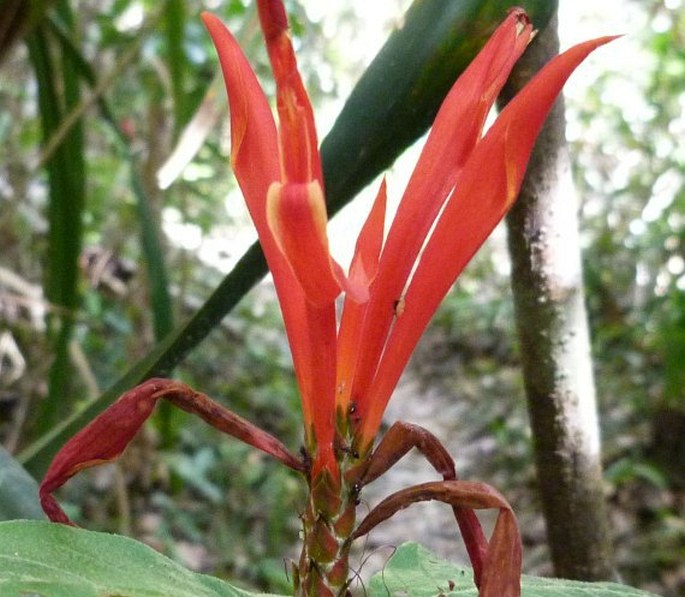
(95,175)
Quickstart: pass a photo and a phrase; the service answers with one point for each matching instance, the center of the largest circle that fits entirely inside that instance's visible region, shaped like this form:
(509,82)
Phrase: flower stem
(328,522)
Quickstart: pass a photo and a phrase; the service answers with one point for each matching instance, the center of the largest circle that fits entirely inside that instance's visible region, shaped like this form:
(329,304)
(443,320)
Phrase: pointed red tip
(273,18)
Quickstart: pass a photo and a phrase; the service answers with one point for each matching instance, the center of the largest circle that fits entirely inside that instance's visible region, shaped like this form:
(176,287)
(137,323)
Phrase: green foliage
(415,572)
(34,559)
(229,491)
(58,94)
(631,171)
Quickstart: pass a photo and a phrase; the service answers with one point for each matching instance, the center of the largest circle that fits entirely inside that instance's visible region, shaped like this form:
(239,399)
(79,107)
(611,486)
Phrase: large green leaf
(18,490)
(413,571)
(418,63)
(52,560)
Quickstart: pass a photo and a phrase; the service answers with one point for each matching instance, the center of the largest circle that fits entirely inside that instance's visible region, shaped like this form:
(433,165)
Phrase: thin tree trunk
(554,342)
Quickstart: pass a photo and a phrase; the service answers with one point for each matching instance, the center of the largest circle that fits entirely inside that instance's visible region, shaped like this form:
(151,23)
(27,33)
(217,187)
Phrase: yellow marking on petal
(296,214)
(511,170)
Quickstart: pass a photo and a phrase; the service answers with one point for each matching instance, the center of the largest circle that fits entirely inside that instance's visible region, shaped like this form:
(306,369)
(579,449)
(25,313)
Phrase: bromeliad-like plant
(348,366)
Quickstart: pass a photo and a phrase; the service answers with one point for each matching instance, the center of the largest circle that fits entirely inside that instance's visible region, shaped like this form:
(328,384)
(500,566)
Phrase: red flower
(461,188)
(463,184)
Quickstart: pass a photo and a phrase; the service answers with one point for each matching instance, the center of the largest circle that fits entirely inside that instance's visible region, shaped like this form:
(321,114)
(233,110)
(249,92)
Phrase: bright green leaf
(52,560)
(413,571)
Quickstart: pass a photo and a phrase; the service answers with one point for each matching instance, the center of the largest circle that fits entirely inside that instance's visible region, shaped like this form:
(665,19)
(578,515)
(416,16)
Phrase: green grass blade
(174,21)
(58,91)
(158,280)
(160,297)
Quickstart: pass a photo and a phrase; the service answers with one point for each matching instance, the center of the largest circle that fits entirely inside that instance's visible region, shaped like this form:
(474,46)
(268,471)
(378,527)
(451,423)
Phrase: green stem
(328,522)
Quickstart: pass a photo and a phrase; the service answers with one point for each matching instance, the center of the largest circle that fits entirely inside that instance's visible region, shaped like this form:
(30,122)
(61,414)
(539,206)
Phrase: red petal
(454,134)
(254,140)
(318,387)
(485,190)
(297,216)
(255,157)
(300,159)
(313,343)
(368,248)
(362,272)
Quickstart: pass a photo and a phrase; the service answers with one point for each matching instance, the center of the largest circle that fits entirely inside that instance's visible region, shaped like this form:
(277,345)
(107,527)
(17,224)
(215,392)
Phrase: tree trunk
(554,343)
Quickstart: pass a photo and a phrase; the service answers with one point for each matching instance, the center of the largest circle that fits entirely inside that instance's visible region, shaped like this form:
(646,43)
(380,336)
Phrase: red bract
(106,437)
(462,186)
